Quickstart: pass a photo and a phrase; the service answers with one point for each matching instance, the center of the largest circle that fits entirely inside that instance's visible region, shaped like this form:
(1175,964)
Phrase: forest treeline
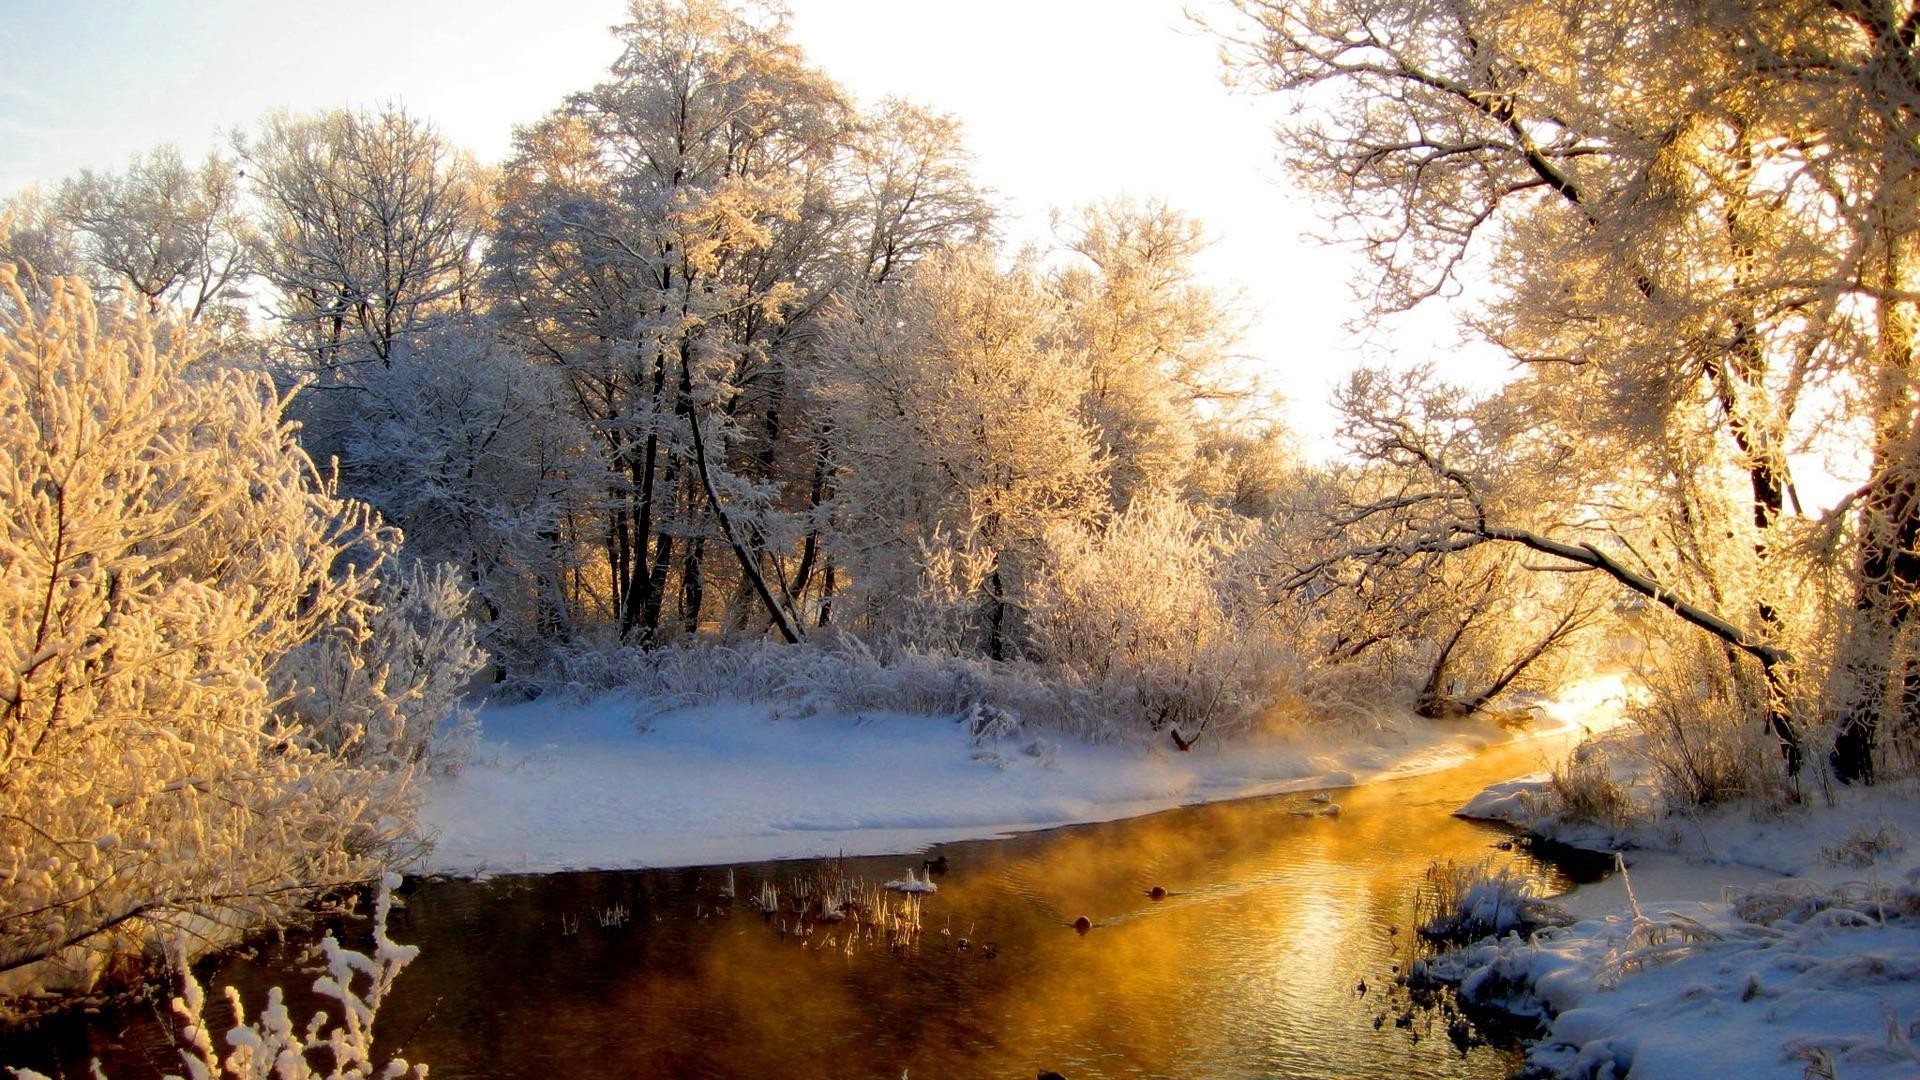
(724,383)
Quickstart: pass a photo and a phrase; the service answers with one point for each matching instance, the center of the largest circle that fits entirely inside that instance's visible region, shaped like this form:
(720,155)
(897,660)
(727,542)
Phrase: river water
(1251,966)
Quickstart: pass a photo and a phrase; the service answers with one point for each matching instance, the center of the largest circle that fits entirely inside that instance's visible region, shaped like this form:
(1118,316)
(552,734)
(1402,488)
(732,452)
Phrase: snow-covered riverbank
(1738,943)
(559,786)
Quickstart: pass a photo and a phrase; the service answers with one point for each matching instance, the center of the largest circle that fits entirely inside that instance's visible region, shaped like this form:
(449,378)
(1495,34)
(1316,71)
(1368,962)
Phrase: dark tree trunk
(996,617)
(692,586)
(1889,576)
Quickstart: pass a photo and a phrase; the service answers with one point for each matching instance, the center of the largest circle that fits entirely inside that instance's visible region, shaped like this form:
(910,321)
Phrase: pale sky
(1064,102)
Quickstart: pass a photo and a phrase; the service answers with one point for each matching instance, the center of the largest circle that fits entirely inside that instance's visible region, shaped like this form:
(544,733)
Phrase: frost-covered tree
(1694,217)
(659,237)
(1155,342)
(473,449)
(173,235)
(956,423)
(165,546)
(369,231)
(33,234)
(911,190)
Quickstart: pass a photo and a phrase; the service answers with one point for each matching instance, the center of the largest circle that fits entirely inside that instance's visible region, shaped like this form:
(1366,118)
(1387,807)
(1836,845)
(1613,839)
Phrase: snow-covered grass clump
(1461,903)
(914,883)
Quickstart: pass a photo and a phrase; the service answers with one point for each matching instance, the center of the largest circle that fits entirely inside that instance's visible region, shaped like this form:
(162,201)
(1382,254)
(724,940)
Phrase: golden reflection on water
(1249,967)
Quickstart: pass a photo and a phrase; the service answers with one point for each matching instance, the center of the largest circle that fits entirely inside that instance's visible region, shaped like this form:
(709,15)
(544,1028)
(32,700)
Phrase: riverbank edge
(577,787)
(1739,942)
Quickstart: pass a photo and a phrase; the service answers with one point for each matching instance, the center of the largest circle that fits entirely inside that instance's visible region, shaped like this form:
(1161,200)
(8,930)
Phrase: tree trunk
(692,586)
(1430,702)
(749,564)
(1888,570)
(827,582)
(996,616)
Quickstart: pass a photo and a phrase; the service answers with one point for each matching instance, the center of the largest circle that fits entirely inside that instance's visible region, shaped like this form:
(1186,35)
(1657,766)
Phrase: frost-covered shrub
(164,543)
(942,607)
(271,1047)
(1705,736)
(1462,903)
(385,684)
(1583,789)
(1139,615)
(1865,845)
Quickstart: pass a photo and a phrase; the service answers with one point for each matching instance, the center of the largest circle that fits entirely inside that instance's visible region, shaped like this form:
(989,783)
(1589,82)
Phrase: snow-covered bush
(1461,903)
(384,685)
(1139,615)
(1704,735)
(164,543)
(1583,789)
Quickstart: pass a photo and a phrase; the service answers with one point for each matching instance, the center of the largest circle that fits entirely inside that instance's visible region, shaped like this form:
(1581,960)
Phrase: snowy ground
(558,786)
(1784,943)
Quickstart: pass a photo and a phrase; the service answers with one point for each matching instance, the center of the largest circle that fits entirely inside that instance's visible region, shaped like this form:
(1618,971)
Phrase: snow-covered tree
(34,235)
(659,237)
(165,546)
(370,225)
(170,234)
(956,420)
(911,190)
(1699,225)
(1155,342)
(473,449)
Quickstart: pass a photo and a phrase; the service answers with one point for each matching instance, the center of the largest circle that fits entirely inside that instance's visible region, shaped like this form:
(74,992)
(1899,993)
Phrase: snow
(558,786)
(1752,942)
(913,883)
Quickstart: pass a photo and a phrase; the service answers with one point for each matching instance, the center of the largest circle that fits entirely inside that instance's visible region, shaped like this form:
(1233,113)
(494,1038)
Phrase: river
(1276,912)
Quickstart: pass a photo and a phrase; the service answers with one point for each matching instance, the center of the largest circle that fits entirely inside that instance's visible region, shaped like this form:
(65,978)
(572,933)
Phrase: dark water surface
(1249,968)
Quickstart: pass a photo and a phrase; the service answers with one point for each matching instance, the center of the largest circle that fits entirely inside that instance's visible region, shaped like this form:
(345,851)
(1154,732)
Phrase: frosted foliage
(470,447)
(955,421)
(384,685)
(1462,903)
(272,1048)
(1700,740)
(164,542)
(1695,230)
(1139,614)
(1004,702)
